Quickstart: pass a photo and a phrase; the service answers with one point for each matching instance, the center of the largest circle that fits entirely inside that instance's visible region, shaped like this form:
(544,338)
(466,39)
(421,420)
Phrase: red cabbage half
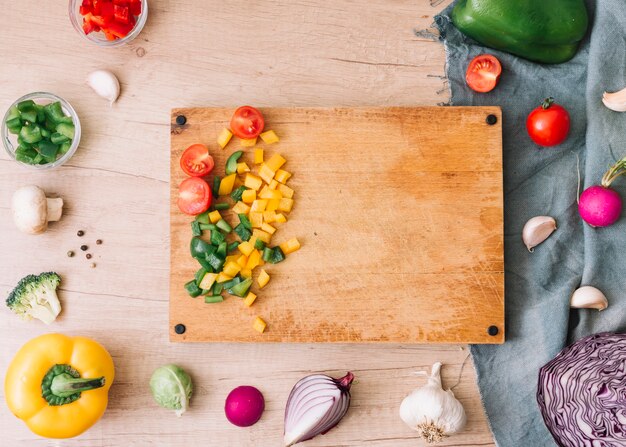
(582,393)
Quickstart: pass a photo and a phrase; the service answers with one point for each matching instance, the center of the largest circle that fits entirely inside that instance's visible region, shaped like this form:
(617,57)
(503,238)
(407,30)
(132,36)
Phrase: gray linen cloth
(543,181)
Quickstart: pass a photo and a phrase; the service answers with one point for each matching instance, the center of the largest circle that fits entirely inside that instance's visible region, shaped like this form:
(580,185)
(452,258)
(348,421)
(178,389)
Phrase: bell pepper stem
(547,103)
(65,385)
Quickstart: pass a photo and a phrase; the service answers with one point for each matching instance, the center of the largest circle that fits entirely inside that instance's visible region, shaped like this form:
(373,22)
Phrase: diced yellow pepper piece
(259,325)
(266,173)
(252,240)
(263,235)
(253,182)
(246,273)
(248,143)
(270,194)
(275,162)
(258,156)
(223,277)
(282,176)
(269,216)
(285,205)
(253,260)
(269,137)
(290,246)
(231,269)
(256,219)
(214,216)
(248,196)
(280,218)
(261,262)
(263,278)
(232,258)
(286,191)
(207,281)
(242,261)
(224,137)
(258,206)
(227,184)
(273,184)
(242,167)
(268,228)
(241,208)
(272,205)
(246,248)
(249,299)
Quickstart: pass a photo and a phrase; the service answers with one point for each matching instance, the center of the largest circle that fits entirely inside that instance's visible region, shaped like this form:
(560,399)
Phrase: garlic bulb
(615,101)
(537,230)
(431,411)
(588,297)
(105,84)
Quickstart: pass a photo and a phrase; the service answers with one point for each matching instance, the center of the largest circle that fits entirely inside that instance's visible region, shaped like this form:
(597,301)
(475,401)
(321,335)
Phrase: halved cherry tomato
(548,124)
(194,196)
(247,122)
(196,161)
(483,73)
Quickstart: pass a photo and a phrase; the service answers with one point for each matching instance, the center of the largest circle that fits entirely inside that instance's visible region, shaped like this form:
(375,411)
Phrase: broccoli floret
(35,296)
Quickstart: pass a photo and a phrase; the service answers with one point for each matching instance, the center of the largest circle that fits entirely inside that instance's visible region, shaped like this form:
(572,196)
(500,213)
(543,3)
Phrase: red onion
(582,392)
(244,406)
(315,405)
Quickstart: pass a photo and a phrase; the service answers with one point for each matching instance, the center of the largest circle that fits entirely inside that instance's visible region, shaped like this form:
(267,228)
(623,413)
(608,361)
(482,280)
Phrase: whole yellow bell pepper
(58,385)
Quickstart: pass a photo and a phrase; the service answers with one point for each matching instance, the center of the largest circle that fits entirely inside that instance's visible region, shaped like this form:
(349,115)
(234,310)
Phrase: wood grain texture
(399,211)
(211,53)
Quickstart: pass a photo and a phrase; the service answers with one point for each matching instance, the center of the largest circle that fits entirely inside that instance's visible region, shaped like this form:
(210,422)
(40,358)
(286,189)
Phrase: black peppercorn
(70,254)
(99,242)
(80,233)
(84,247)
(88,255)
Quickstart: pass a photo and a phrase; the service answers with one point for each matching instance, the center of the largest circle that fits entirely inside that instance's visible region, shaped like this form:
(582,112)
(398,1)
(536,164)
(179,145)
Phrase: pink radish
(599,205)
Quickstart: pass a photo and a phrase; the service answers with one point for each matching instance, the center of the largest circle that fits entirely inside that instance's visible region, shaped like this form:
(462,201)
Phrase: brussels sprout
(171,388)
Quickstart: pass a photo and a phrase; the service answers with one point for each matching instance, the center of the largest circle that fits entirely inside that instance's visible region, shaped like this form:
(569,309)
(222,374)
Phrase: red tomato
(194,196)
(548,124)
(247,122)
(483,73)
(196,161)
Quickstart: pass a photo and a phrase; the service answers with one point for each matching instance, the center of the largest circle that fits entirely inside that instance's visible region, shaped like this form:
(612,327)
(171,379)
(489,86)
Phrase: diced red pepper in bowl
(115,18)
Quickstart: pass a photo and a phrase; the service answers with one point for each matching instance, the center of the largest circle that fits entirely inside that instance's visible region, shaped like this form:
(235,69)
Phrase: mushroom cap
(30,209)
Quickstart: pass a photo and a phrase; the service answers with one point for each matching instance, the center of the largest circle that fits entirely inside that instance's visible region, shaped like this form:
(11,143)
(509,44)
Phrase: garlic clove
(615,101)
(537,230)
(105,84)
(588,297)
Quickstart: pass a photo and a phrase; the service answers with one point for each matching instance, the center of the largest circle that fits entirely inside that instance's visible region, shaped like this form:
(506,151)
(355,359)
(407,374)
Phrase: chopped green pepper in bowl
(41,130)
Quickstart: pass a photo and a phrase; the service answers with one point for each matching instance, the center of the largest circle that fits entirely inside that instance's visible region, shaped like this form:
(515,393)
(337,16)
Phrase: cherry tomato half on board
(548,124)
(483,73)
(247,123)
(194,196)
(196,161)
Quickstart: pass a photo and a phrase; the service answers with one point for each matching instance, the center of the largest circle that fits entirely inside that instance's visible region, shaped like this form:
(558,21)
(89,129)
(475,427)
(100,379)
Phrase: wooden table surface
(210,53)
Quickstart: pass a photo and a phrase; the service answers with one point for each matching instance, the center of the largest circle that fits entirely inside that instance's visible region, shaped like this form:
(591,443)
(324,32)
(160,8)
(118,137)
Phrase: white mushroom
(32,210)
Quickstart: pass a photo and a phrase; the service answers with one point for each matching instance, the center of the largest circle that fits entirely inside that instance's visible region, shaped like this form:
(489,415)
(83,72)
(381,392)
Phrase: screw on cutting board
(181,119)
(180,328)
(492,330)
(491,119)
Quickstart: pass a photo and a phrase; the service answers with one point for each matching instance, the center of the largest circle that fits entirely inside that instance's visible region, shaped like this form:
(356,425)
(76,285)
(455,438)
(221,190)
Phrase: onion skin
(600,206)
(582,392)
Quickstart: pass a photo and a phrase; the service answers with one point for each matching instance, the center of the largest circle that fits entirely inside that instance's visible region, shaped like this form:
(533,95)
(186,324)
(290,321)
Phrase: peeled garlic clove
(537,230)
(615,101)
(105,84)
(588,297)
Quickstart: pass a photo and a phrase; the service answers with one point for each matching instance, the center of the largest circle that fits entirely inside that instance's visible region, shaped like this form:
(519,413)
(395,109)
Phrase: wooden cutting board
(399,212)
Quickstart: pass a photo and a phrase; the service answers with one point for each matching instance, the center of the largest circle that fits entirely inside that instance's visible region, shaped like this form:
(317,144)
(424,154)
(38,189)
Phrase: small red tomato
(247,123)
(196,161)
(483,73)
(194,196)
(548,124)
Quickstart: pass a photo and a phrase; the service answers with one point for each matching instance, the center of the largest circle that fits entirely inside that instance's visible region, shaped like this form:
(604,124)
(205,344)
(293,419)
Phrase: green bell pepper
(538,30)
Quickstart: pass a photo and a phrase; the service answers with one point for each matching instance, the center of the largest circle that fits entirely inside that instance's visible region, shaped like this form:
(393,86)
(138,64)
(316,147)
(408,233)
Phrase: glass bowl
(98,37)
(10,141)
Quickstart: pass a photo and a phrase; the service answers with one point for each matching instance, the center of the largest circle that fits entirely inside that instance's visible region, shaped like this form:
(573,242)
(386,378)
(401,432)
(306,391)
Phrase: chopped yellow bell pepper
(269,216)
(242,168)
(232,258)
(246,248)
(266,173)
(241,208)
(258,156)
(230,269)
(269,137)
(285,205)
(275,162)
(263,279)
(290,246)
(273,184)
(280,218)
(256,219)
(248,196)
(267,193)
(224,137)
(258,206)
(268,228)
(262,235)
(249,299)
(208,280)
(227,184)
(272,205)
(215,216)
(245,273)
(253,182)
(286,191)
(248,142)
(282,176)
(252,240)
(253,260)
(242,261)
(223,277)
(259,325)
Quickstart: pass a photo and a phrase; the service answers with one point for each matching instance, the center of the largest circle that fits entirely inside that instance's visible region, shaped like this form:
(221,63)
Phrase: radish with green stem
(599,205)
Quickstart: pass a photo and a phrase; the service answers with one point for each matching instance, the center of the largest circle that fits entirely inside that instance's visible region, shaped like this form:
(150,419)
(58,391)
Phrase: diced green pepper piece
(245,221)
(231,163)
(224,226)
(192,289)
(241,289)
(204,264)
(215,261)
(39,160)
(45,133)
(195,228)
(29,115)
(57,138)
(213,299)
(222,249)
(232,246)
(200,275)
(41,116)
(31,134)
(216,185)
(259,244)
(217,288)
(217,238)
(14,123)
(29,104)
(203,218)
(243,232)
(54,112)
(200,248)
(277,255)
(25,155)
(21,142)
(237,193)
(48,150)
(65,147)
(66,129)
(231,282)
(267,254)
(221,206)
(14,112)
(209,226)
(49,125)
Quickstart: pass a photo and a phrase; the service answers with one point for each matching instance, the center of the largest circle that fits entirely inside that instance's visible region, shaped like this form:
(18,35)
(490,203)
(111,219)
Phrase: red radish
(244,406)
(599,205)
